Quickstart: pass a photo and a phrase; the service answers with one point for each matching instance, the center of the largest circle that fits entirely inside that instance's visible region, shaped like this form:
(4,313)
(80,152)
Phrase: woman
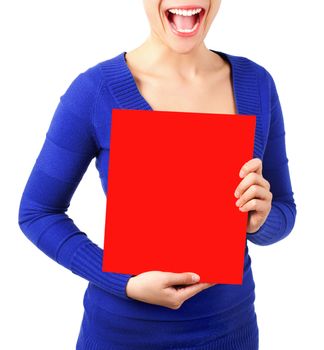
(172,70)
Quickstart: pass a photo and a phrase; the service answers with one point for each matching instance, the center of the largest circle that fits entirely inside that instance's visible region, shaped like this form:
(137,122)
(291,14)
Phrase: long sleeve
(281,218)
(69,146)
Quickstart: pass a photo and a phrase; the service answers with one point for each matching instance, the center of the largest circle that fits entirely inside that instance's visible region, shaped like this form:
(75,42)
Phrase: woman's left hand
(254,194)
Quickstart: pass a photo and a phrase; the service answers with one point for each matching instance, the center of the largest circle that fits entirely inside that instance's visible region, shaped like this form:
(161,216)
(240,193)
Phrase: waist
(103,328)
(221,300)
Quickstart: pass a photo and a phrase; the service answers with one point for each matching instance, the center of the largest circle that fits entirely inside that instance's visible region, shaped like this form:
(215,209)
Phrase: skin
(253,194)
(165,57)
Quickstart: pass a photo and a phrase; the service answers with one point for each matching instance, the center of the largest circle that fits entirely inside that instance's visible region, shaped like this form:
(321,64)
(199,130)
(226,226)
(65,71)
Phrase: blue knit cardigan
(80,131)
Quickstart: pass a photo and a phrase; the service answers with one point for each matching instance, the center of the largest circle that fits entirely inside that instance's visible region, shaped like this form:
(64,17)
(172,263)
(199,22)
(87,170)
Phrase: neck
(185,65)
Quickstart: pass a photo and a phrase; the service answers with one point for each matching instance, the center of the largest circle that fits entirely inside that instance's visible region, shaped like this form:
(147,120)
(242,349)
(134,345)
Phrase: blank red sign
(170,194)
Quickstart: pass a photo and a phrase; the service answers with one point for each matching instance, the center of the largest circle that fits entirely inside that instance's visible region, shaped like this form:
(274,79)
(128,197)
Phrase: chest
(214,94)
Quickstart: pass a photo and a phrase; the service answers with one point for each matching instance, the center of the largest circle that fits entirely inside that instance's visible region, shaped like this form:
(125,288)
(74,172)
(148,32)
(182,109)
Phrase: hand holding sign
(164,288)
(254,194)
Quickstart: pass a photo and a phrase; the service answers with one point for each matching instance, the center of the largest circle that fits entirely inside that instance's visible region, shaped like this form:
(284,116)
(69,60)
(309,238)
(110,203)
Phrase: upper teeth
(185,12)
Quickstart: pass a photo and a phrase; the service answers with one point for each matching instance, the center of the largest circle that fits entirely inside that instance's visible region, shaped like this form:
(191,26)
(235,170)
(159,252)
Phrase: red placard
(170,194)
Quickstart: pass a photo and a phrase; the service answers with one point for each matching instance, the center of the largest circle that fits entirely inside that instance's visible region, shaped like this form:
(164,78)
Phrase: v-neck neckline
(144,103)
(245,75)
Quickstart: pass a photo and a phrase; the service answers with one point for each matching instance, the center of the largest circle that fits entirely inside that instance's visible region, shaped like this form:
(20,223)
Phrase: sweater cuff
(272,229)
(87,263)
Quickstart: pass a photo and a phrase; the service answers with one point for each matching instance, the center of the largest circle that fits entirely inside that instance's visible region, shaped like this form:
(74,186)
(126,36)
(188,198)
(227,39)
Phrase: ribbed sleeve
(69,146)
(281,218)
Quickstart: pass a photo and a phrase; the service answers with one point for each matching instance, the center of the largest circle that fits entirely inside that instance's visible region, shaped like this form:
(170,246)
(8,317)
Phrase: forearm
(278,225)
(44,222)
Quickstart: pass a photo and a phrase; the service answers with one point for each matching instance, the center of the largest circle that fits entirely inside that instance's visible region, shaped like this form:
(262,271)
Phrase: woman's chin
(182,46)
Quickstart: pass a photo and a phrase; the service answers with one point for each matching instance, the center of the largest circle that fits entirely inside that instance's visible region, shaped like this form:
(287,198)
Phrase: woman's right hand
(164,288)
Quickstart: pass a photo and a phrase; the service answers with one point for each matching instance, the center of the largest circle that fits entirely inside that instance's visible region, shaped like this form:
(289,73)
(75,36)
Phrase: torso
(213,94)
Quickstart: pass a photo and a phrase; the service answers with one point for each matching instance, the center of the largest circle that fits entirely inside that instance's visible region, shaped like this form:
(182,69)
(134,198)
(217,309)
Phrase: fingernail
(241,173)
(236,194)
(195,278)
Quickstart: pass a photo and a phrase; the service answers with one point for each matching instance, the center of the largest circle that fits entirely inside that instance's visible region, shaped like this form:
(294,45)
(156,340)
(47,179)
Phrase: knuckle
(175,305)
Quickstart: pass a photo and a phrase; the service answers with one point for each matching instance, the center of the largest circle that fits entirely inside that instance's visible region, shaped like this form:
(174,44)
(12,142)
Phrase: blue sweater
(80,131)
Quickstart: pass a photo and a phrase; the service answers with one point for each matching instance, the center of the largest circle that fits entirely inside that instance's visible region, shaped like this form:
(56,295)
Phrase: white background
(45,45)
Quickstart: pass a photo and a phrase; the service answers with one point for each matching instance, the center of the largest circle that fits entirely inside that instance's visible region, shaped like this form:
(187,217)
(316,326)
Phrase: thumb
(182,278)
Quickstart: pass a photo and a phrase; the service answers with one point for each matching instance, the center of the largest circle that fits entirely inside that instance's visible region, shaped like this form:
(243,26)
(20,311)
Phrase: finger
(255,204)
(253,165)
(191,290)
(173,278)
(254,191)
(212,284)
(249,180)
(180,286)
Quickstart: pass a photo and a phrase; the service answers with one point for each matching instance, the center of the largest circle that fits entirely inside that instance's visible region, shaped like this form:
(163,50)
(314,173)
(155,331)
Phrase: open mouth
(185,22)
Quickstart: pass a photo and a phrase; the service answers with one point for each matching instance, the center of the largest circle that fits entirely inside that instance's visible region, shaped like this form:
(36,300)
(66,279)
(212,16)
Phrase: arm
(67,151)
(281,218)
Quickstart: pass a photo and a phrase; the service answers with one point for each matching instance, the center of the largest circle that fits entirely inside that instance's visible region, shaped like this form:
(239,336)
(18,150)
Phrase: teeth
(185,12)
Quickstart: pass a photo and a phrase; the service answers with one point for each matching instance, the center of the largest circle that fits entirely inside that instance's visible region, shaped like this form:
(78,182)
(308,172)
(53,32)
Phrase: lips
(185,25)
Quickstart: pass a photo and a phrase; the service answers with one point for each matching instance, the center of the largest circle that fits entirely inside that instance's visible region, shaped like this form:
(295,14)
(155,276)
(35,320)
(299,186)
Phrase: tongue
(183,22)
